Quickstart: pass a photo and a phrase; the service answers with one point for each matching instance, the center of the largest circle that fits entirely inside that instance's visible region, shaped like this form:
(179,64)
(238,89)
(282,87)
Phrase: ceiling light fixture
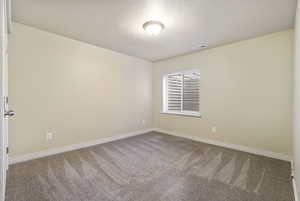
(153,28)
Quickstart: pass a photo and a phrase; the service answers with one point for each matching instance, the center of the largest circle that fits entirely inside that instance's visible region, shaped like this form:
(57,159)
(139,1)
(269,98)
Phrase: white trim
(8,15)
(53,151)
(193,70)
(35,155)
(229,145)
(295,190)
(294,181)
(189,114)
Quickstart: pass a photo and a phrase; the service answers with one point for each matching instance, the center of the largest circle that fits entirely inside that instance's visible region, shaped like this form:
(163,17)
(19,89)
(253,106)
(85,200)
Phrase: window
(181,93)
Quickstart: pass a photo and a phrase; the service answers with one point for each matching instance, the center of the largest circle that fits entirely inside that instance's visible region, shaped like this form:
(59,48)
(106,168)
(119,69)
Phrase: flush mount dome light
(153,28)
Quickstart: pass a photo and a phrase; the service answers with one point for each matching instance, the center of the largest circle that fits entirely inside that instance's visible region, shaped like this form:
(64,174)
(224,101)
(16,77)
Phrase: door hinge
(7,150)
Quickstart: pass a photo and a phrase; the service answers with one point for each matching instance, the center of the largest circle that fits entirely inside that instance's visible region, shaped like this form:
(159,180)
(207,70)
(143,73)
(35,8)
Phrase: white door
(4,112)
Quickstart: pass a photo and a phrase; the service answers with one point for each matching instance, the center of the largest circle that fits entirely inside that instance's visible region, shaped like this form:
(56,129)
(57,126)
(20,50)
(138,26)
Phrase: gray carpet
(151,167)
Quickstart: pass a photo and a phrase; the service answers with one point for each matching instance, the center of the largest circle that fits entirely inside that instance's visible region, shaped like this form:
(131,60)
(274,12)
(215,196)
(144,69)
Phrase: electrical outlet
(214,129)
(49,136)
(144,122)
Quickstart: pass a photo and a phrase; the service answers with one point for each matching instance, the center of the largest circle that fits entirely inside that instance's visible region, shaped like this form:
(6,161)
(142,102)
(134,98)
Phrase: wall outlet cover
(49,136)
(214,129)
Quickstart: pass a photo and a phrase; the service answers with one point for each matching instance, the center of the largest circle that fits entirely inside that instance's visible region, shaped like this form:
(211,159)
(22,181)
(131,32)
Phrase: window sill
(194,114)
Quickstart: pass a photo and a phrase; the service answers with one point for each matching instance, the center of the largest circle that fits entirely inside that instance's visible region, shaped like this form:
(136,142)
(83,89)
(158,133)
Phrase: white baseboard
(228,145)
(35,155)
(53,151)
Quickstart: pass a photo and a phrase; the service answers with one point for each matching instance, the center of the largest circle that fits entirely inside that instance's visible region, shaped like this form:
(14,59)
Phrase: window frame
(165,96)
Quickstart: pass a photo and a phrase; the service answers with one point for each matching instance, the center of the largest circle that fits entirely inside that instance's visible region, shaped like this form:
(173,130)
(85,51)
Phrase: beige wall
(75,90)
(246,92)
(81,92)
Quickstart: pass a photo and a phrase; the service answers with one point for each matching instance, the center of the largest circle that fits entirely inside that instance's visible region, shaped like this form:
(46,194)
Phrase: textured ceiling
(117,24)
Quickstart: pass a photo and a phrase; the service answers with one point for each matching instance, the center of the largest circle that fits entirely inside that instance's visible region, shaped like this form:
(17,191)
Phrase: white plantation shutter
(174,93)
(191,92)
(181,93)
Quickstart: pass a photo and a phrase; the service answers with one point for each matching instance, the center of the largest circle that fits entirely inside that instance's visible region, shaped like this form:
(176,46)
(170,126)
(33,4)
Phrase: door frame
(3,91)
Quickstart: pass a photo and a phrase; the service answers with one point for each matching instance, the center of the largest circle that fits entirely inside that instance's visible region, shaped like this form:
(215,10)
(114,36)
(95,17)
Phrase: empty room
(149,100)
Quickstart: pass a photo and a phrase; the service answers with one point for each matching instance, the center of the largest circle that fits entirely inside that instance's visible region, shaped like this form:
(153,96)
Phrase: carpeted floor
(151,167)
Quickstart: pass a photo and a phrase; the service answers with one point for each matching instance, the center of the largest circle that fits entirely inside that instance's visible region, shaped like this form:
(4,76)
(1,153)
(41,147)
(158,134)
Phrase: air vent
(203,46)
(199,47)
